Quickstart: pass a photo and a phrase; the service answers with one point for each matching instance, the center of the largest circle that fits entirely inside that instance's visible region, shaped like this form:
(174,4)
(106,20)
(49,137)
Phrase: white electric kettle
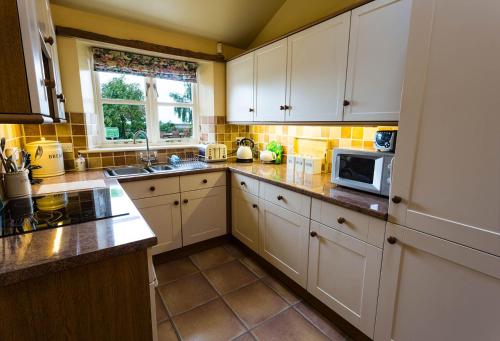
(244,152)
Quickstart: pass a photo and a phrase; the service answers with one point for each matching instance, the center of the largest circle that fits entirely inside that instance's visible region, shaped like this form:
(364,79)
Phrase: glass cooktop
(31,214)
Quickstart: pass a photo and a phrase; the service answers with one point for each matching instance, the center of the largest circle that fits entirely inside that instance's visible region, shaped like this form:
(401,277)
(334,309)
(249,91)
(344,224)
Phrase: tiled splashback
(13,135)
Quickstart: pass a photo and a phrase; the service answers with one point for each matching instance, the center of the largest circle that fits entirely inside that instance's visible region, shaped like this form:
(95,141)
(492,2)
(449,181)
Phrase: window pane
(120,86)
(174,91)
(121,121)
(175,122)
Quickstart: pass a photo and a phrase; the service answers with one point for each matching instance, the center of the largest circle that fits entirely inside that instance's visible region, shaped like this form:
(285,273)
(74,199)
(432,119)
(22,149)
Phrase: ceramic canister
(47,154)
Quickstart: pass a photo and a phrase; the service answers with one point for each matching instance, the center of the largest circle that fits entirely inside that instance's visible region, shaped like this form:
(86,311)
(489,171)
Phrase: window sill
(139,148)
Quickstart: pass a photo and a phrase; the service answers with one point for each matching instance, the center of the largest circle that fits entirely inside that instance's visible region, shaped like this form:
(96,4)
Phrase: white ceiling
(234,22)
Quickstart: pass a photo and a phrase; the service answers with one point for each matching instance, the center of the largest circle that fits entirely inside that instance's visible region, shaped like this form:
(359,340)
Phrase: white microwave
(362,170)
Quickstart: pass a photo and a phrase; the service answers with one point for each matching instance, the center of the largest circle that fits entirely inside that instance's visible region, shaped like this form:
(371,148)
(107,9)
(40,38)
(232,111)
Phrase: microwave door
(359,171)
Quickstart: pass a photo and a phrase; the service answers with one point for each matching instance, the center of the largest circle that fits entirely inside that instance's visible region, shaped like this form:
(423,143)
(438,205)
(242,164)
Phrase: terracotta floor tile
(254,267)
(229,277)
(327,327)
(245,337)
(186,293)
(255,303)
(211,321)
(282,290)
(173,270)
(161,312)
(234,251)
(290,326)
(166,332)
(211,258)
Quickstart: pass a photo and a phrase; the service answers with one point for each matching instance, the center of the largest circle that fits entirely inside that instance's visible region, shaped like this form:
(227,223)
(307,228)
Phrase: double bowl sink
(142,170)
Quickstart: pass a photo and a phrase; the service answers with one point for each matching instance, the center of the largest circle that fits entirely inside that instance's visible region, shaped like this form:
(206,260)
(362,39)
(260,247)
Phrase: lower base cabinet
(432,289)
(163,215)
(344,274)
(203,214)
(284,240)
(245,218)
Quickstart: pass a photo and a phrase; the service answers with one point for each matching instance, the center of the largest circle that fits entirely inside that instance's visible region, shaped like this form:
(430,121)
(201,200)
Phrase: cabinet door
(163,215)
(270,82)
(432,289)
(377,59)
(344,274)
(203,214)
(284,240)
(245,218)
(317,63)
(450,191)
(240,86)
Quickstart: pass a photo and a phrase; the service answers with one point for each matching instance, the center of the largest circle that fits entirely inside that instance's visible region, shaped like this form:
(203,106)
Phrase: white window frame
(151,104)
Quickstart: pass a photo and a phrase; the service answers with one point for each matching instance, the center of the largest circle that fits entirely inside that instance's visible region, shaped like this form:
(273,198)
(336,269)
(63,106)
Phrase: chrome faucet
(148,159)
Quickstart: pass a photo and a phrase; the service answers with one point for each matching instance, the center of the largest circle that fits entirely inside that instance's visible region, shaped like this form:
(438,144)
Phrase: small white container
(290,165)
(17,184)
(312,165)
(80,165)
(299,164)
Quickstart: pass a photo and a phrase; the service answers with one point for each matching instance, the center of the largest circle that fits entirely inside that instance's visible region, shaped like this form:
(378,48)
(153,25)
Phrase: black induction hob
(31,214)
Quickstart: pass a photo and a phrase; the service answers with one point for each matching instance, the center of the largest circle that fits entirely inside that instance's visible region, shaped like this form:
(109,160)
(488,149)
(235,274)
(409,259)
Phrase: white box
(290,166)
(299,164)
(312,165)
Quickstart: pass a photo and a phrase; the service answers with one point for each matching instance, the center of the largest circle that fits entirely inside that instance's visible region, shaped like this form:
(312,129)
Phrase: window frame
(151,105)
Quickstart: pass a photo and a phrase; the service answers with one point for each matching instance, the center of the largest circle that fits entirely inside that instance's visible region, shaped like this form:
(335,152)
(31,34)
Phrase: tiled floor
(220,294)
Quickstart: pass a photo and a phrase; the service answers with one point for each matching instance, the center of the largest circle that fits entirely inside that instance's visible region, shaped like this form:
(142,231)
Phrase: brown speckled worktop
(33,254)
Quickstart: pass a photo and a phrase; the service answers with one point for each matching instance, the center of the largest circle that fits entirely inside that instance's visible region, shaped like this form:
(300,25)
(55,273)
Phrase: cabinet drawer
(245,183)
(151,188)
(293,201)
(358,225)
(201,181)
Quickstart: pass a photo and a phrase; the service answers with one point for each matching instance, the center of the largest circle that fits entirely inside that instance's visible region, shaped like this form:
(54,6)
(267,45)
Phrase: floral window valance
(138,64)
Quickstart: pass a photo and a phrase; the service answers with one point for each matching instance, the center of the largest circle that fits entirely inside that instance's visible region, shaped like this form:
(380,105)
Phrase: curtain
(138,64)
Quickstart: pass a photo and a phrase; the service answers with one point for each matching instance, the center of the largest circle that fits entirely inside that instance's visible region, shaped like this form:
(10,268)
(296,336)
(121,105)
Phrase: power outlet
(67,147)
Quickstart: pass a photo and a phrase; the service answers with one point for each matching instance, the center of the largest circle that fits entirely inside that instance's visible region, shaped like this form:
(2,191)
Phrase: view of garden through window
(131,103)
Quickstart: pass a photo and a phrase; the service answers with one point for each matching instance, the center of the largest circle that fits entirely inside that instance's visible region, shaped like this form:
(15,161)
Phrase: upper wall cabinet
(240,88)
(343,69)
(377,59)
(317,60)
(30,86)
(270,82)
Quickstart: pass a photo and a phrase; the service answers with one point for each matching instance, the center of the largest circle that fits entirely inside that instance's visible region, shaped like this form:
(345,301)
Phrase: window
(129,102)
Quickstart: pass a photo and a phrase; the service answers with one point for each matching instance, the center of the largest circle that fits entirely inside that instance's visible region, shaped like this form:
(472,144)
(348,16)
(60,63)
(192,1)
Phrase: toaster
(212,152)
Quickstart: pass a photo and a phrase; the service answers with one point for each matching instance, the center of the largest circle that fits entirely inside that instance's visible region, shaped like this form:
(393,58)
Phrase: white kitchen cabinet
(377,59)
(284,240)
(317,62)
(440,186)
(344,274)
(240,88)
(270,82)
(163,215)
(245,218)
(432,289)
(203,214)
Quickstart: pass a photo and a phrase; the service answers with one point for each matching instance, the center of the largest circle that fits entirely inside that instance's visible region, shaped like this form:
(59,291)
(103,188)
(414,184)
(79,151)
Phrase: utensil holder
(17,184)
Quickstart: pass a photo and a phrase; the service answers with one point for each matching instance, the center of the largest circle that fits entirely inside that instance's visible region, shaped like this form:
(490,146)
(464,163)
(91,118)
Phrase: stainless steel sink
(160,168)
(129,170)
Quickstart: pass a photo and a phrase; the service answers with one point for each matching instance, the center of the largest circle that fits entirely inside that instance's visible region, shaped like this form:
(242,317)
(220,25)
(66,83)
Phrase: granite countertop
(34,254)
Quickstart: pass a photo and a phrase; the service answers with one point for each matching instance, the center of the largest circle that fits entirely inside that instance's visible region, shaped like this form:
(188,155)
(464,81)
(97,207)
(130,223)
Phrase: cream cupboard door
(245,218)
(435,290)
(203,214)
(240,86)
(377,59)
(163,215)
(440,186)
(317,62)
(344,274)
(270,82)
(284,240)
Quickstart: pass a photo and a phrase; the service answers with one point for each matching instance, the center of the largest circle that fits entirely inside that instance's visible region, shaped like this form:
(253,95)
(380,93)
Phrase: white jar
(17,184)
(47,154)
(80,165)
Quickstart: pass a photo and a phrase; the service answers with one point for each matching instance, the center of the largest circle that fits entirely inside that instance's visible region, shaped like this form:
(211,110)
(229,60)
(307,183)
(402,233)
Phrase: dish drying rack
(186,163)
